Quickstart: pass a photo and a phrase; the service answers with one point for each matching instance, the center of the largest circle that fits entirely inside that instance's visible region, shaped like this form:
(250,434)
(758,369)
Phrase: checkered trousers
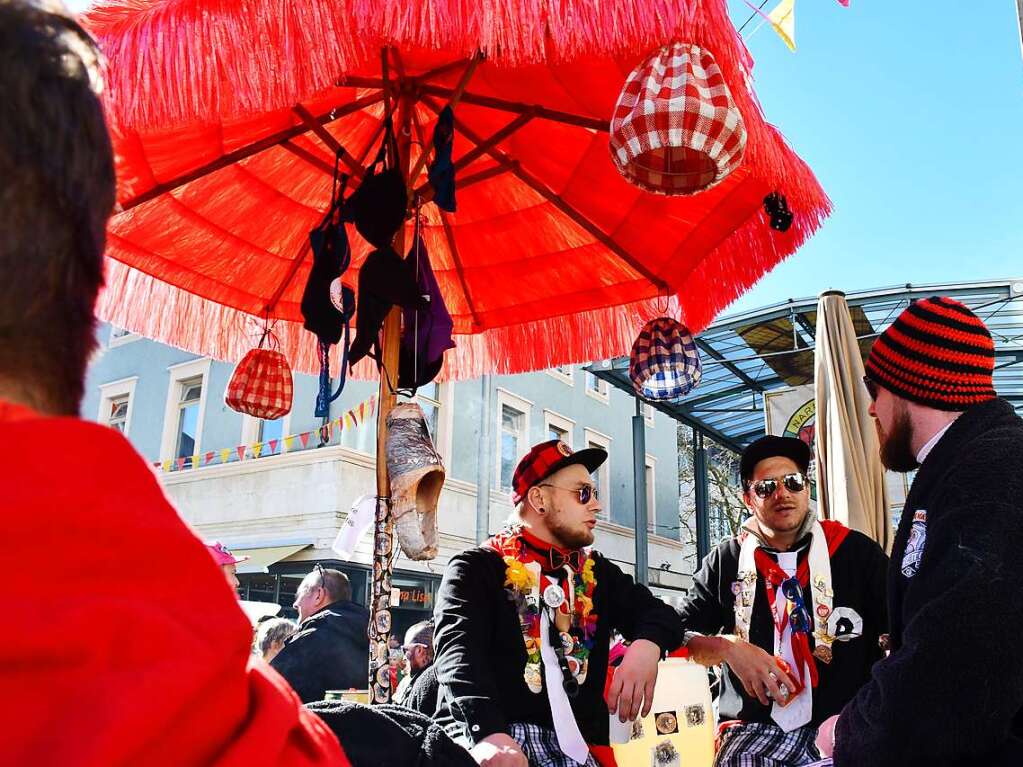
(540,745)
(261,385)
(753,744)
(675,128)
(665,363)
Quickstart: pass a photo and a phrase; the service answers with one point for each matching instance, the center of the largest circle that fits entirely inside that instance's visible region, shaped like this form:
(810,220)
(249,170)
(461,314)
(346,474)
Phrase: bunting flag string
(782,20)
(351,419)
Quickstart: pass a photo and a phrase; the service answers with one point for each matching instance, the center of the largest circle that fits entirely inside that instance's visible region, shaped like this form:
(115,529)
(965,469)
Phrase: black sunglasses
(871,388)
(765,488)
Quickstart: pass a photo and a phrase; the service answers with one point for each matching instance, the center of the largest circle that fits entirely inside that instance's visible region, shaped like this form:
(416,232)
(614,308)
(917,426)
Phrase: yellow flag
(195,461)
(166,465)
(256,449)
(289,441)
(783,19)
(224,455)
(348,420)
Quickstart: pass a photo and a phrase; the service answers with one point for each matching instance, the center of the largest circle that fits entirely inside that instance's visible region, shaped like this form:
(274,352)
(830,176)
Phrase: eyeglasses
(765,488)
(871,388)
(586,493)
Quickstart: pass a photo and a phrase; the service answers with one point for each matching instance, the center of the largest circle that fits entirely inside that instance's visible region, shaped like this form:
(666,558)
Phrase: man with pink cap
(227,562)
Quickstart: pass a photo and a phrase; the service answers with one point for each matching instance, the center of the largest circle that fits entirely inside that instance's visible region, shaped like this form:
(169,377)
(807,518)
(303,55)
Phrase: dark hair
(57,190)
(335,583)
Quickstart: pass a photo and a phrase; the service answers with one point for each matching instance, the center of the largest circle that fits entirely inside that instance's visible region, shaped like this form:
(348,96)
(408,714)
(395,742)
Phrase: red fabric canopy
(552,257)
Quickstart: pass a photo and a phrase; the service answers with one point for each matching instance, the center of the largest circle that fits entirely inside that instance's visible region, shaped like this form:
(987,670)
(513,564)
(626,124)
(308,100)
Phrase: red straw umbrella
(227,116)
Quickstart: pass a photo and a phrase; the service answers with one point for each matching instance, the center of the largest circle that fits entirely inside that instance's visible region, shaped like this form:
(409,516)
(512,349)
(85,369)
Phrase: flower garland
(572,611)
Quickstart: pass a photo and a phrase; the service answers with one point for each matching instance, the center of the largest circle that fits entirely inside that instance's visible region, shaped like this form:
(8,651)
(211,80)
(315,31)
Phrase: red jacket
(124,644)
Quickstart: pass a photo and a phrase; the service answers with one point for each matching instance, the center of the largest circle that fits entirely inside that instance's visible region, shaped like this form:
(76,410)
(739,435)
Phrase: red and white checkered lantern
(261,385)
(676,129)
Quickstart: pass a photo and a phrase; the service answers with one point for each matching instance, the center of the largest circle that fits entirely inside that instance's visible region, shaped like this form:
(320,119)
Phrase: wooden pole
(383,533)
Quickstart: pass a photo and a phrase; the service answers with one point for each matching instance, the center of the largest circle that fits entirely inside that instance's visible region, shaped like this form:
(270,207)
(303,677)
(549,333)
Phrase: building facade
(280,490)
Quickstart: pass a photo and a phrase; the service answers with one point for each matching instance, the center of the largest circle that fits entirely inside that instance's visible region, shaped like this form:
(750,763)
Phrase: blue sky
(911,115)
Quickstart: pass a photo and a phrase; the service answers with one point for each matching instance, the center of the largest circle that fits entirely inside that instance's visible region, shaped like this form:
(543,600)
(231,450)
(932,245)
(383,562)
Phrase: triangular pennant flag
(324,434)
(289,441)
(339,423)
(351,414)
(196,461)
(304,437)
(181,463)
(224,455)
(167,465)
(783,19)
(273,445)
(209,457)
(372,405)
(241,452)
(256,449)
(348,420)
(362,411)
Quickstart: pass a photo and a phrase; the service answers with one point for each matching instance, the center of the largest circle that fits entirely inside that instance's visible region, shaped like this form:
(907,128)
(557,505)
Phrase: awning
(262,558)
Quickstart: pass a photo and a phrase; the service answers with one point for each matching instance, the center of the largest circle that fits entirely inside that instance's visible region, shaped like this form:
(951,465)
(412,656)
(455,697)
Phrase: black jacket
(858,570)
(951,692)
(330,651)
(481,656)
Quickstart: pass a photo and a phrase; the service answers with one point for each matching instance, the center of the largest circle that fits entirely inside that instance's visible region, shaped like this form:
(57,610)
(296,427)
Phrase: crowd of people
(829,649)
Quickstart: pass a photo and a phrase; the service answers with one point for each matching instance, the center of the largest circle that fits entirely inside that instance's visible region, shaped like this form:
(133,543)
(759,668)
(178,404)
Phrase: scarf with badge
(553,592)
(793,619)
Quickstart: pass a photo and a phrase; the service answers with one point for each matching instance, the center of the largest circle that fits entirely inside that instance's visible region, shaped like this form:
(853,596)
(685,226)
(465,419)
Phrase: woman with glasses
(792,607)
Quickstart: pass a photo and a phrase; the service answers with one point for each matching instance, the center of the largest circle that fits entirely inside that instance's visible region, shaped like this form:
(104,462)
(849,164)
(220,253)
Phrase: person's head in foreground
(775,487)
(227,562)
(934,362)
(271,635)
(322,587)
(556,495)
(418,646)
(56,193)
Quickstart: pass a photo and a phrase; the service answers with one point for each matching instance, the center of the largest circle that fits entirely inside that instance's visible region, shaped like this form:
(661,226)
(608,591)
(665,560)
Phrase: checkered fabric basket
(676,129)
(261,385)
(665,364)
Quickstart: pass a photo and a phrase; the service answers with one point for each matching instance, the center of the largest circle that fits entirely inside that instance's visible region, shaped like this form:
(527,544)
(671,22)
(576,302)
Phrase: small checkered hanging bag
(675,128)
(665,363)
(261,385)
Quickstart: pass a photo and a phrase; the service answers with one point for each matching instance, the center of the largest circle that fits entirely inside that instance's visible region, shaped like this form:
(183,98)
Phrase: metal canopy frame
(748,354)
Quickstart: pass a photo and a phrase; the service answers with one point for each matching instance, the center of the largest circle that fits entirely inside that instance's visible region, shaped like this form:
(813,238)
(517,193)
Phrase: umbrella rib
(332,143)
(544,191)
(459,270)
(245,152)
(515,107)
(309,157)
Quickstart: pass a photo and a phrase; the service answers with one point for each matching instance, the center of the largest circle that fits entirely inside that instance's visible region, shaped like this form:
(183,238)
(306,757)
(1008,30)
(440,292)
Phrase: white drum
(679,732)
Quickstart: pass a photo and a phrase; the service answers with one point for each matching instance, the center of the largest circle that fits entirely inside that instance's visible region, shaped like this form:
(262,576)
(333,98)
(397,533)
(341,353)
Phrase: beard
(567,536)
(897,445)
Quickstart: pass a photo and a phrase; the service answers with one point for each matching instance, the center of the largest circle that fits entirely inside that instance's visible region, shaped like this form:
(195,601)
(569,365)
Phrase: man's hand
(633,684)
(499,750)
(758,671)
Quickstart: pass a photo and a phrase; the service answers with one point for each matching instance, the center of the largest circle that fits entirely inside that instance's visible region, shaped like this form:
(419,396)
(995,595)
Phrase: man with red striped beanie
(951,690)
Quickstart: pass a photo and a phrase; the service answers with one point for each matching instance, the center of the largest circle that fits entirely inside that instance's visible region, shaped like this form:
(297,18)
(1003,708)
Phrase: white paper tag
(355,526)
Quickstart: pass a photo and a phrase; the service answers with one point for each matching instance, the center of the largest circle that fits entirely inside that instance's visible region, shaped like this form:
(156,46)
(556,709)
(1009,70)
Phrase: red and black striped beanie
(937,353)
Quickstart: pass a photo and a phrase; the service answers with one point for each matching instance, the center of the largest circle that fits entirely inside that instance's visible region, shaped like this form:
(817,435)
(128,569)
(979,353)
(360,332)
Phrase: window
(260,431)
(115,404)
(602,476)
(597,387)
(117,418)
(562,372)
(651,496)
(188,420)
(183,416)
(512,435)
(558,427)
(648,412)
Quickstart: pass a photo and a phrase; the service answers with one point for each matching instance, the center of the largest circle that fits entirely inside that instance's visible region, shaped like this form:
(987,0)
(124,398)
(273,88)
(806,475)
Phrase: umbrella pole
(383,530)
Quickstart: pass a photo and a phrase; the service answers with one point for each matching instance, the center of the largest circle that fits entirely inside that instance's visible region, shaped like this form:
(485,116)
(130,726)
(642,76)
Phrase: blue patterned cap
(665,364)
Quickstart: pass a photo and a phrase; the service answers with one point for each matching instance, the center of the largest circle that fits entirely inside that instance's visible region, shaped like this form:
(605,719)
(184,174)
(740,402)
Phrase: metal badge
(666,722)
(696,715)
(554,596)
(823,610)
(823,653)
(567,642)
(533,677)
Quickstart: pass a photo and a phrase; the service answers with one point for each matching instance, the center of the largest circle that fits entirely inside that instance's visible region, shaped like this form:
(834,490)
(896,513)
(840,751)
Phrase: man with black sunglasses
(524,625)
(950,694)
(792,607)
